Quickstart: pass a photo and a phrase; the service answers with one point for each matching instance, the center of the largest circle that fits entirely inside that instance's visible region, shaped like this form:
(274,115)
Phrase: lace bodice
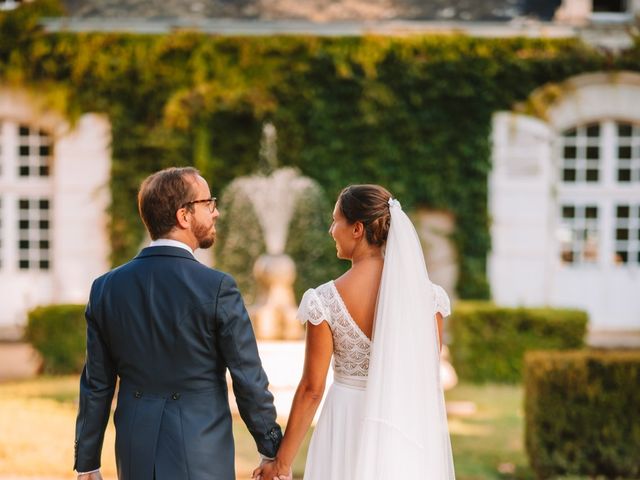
(351,347)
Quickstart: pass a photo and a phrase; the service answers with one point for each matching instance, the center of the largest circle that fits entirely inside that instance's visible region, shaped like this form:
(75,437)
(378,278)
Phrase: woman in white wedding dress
(384,416)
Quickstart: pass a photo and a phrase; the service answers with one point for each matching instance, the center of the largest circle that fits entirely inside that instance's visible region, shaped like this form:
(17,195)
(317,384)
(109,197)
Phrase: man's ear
(183,220)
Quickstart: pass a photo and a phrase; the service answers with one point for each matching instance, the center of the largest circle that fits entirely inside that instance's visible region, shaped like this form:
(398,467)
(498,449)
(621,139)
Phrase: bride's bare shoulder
(346,282)
(355,282)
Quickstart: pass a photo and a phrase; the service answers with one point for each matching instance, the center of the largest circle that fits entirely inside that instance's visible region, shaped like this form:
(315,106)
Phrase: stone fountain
(273,194)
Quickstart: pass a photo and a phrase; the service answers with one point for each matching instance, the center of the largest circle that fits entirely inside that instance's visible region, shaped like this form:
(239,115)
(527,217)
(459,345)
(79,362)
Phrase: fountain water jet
(273,194)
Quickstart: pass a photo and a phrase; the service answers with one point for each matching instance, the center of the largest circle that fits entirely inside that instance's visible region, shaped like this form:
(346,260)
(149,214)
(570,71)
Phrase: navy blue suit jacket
(169,328)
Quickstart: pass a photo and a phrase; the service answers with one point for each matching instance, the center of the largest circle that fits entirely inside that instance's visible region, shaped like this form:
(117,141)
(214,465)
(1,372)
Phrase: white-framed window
(627,234)
(581,154)
(579,234)
(34,226)
(34,152)
(599,194)
(628,145)
(26,193)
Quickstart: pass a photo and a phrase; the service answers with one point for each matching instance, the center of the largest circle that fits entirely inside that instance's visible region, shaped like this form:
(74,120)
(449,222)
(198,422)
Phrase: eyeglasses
(211,203)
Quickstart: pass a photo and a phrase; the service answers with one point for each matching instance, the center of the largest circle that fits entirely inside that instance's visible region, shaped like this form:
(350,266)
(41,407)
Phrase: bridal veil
(405,433)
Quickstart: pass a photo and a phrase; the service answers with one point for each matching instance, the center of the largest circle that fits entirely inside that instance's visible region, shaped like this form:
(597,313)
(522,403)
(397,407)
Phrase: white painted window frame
(13,188)
(632,163)
(34,214)
(35,163)
(582,144)
(606,194)
(632,245)
(582,251)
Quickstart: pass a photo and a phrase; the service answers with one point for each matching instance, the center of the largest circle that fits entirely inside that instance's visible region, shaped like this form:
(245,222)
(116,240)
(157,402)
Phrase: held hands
(90,476)
(272,470)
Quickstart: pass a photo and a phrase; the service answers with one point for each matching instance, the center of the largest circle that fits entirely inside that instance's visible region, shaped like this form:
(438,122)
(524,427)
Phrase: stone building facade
(565,202)
(564,190)
(54,192)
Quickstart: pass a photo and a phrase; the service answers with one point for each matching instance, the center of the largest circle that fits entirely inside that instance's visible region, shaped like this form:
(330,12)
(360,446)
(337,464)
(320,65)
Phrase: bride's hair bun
(368,204)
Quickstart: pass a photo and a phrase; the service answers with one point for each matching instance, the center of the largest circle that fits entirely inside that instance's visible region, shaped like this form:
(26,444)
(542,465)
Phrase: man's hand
(272,471)
(90,476)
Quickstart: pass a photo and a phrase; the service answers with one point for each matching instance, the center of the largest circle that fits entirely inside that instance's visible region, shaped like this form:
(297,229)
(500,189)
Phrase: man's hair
(161,195)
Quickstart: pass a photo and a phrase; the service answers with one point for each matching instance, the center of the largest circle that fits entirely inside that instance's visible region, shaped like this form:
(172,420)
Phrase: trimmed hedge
(58,333)
(582,412)
(488,342)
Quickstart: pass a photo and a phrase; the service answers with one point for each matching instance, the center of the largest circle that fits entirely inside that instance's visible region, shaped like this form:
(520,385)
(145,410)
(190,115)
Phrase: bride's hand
(257,473)
(272,471)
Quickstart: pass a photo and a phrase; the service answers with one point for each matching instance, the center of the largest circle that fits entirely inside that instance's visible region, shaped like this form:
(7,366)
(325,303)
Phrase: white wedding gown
(333,451)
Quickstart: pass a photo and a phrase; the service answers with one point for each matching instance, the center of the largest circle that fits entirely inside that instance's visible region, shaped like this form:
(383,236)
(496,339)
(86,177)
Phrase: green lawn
(489,443)
(486,444)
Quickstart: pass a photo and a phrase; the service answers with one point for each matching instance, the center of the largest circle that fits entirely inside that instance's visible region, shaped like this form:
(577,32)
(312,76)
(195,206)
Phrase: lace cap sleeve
(443,304)
(311,309)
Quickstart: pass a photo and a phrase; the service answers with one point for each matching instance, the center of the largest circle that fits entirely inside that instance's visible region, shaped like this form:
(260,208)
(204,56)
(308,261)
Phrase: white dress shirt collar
(167,242)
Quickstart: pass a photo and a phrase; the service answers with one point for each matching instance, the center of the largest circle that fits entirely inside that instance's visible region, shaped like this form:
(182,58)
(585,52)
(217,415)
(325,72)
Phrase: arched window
(600,164)
(566,231)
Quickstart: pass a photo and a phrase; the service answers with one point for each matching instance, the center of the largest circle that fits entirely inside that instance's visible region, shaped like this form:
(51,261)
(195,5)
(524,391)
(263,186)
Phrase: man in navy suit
(169,328)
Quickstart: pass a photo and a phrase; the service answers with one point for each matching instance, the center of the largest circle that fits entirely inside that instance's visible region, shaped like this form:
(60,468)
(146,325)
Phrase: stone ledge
(611,339)
(18,361)
(11,333)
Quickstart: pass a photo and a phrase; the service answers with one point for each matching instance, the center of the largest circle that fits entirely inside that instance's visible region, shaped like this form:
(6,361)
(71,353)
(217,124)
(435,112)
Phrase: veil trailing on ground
(405,432)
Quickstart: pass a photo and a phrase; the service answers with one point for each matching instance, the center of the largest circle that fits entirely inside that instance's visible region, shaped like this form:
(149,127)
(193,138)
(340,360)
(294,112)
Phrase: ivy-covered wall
(412,113)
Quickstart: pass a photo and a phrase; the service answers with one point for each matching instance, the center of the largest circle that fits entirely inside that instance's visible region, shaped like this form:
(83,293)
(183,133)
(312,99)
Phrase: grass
(37,422)
(490,443)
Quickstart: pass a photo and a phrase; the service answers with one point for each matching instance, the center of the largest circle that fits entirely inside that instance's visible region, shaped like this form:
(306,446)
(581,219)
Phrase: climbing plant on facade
(412,113)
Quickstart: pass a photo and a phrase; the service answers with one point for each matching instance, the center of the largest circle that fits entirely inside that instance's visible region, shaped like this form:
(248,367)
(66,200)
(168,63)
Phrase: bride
(384,415)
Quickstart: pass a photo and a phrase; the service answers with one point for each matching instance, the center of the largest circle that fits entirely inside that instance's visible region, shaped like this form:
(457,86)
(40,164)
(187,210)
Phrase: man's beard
(205,236)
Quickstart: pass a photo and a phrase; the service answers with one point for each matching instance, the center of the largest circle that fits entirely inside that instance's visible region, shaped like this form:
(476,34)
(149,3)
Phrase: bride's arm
(318,351)
(443,309)
(439,323)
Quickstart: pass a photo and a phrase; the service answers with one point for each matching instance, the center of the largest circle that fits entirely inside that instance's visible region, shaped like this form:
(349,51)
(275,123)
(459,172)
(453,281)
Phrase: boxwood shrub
(58,333)
(582,412)
(488,342)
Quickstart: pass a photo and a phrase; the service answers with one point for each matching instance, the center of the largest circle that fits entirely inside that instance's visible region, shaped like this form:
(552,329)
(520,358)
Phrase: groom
(168,327)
